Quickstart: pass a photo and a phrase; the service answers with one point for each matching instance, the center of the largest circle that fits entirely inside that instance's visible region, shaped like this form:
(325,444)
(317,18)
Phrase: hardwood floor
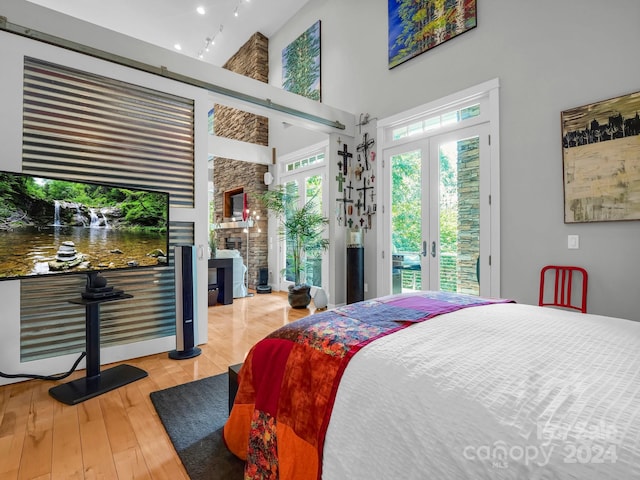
(118,434)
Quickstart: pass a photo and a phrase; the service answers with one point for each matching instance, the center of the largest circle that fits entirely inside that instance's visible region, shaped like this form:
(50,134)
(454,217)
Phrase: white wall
(164,62)
(549,56)
(13,48)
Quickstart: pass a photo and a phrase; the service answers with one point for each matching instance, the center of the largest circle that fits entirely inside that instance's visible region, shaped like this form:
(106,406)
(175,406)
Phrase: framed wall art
(301,64)
(418,26)
(601,160)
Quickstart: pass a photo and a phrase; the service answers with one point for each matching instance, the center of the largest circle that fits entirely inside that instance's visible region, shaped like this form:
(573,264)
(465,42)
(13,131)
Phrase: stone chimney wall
(251,60)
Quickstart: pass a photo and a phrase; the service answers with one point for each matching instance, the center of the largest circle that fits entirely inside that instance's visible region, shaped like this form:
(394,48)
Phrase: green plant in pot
(302,227)
(214,223)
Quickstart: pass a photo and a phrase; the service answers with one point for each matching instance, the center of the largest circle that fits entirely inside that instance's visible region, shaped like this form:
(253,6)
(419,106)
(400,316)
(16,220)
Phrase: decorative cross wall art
(356,183)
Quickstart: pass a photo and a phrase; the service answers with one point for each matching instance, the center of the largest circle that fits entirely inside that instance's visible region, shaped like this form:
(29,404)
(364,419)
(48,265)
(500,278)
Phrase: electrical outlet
(573,241)
(366,287)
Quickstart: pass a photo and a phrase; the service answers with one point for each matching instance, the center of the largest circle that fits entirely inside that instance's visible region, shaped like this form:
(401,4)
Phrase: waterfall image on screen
(53,226)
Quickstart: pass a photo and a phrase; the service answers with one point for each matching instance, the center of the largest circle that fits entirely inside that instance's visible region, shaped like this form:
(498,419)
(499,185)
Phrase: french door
(440,213)
(307,184)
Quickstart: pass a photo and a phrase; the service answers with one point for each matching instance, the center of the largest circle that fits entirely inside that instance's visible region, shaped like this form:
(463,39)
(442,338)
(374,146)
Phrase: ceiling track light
(213,37)
(209,42)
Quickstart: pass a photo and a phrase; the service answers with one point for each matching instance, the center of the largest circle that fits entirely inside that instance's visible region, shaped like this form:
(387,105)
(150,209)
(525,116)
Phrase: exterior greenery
(406,221)
(407,203)
(301,226)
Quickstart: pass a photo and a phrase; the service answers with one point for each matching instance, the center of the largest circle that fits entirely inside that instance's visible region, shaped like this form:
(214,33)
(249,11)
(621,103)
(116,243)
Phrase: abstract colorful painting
(416,26)
(601,160)
(301,64)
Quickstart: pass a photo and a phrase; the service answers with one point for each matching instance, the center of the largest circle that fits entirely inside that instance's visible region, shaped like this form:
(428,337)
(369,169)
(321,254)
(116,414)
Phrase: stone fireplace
(249,238)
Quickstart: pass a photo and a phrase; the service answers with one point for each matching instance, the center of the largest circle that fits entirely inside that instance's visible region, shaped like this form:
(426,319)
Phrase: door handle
(424,248)
(433,249)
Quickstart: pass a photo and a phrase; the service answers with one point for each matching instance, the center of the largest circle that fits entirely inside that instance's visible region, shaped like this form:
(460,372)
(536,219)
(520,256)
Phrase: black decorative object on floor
(263,281)
(193,415)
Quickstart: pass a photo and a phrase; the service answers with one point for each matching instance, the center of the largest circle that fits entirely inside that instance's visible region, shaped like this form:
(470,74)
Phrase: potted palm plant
(302,228)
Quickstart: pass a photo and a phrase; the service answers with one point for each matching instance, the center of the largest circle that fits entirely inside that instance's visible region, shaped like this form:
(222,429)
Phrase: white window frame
(283,177)
(488,95)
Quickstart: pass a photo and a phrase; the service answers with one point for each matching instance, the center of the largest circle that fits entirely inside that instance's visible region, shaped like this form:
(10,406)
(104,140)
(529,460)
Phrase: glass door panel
(435,213)
(313,270)
(292,189)
(305,188)
(406,221)
(458,214)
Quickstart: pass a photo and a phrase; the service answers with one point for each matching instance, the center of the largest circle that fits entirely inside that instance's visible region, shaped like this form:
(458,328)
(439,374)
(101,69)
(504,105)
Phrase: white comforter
(502,391)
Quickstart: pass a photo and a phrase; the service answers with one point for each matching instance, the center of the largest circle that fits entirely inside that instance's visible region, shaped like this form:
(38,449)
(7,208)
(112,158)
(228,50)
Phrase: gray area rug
(193,415)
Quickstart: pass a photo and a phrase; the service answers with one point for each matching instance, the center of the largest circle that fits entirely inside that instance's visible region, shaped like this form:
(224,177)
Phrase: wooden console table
(224,278)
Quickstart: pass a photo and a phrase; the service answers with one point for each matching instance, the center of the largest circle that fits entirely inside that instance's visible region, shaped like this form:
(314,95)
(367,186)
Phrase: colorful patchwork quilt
(288,382)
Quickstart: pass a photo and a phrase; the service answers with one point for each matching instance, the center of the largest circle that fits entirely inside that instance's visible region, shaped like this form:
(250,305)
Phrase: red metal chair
(563,286)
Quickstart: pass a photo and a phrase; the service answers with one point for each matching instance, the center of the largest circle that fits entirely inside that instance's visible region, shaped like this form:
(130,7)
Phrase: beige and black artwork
(601,160)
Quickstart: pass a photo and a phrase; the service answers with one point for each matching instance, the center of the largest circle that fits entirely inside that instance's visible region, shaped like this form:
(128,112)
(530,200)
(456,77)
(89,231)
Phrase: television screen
(52,226)
(237,206)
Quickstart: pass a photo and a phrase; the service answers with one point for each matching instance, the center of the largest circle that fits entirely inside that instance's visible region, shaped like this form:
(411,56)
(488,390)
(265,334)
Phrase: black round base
(263,289)
(184,354)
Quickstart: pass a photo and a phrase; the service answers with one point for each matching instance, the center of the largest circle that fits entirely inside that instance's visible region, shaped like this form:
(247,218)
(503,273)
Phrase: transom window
(435,122)
(304,162)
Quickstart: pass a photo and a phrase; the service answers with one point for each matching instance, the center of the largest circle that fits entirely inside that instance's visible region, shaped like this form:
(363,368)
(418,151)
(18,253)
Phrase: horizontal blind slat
(72,118)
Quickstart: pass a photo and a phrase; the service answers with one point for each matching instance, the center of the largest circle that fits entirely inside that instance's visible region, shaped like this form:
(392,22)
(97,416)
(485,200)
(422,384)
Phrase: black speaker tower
(186,327)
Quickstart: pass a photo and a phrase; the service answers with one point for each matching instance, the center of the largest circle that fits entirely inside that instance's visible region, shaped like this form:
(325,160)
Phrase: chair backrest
(563,283)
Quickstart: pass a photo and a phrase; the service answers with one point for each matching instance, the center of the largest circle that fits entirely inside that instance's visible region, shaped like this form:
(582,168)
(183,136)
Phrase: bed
(444,386)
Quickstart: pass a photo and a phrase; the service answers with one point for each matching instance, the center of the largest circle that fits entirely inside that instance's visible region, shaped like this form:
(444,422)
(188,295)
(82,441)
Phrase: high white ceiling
(169,22)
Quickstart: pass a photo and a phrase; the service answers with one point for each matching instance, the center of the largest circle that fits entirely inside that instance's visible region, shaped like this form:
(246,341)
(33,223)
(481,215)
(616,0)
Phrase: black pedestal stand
(184,354)
(96,382)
